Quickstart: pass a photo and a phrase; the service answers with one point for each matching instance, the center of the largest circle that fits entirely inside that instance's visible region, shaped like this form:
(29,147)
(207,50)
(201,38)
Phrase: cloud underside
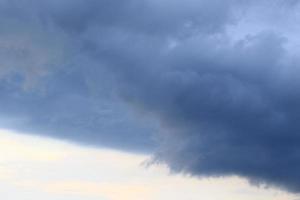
(211,86)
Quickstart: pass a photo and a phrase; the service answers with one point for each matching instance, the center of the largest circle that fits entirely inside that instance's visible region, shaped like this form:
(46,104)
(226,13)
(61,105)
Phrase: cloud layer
(211,85)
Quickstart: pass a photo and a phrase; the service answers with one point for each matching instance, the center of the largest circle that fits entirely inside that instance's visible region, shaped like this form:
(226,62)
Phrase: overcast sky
(209,89)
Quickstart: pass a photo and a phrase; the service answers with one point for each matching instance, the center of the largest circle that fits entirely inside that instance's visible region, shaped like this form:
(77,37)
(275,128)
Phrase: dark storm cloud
(213,84)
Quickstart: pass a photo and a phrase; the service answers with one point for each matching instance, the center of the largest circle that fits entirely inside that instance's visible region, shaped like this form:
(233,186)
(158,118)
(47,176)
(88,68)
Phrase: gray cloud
(210,86)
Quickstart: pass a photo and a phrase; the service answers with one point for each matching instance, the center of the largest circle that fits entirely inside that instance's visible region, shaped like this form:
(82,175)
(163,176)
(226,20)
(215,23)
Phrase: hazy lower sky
(35,168)
(206,92)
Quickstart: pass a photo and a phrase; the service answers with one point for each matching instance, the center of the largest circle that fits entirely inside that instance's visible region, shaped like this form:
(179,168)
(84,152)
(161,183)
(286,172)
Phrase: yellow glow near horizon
(35,167)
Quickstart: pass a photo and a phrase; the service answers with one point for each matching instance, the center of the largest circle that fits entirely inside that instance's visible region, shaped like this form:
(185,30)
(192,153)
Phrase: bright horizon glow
(33,167)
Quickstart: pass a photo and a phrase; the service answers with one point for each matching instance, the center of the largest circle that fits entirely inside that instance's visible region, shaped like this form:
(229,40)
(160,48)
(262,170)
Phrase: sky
(34,167)
(207,90)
